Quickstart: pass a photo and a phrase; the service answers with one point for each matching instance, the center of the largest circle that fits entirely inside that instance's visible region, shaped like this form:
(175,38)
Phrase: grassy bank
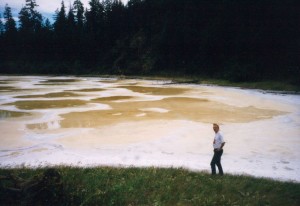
(140,186)
(269,85)
(283,86)
(275,86)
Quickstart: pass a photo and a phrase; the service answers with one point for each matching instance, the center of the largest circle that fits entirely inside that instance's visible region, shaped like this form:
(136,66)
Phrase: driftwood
(43,189)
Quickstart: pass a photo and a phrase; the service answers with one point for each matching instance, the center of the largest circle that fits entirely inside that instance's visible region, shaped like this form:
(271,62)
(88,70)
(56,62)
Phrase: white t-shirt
(218,140)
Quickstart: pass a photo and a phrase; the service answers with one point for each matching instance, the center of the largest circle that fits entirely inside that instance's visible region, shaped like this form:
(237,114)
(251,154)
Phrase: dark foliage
(43,189)
(139,186)
(247,40)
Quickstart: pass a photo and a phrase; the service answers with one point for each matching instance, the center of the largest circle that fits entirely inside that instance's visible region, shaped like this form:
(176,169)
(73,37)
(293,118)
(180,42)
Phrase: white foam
(267,148)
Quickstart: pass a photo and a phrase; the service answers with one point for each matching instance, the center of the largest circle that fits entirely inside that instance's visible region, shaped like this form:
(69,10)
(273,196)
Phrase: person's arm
(222,145)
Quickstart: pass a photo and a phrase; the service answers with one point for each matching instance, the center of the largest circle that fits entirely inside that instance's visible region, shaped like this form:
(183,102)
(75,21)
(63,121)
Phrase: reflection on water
(44,126)
(156,90)
(44,104)
(108,121)
(51,84)
(12,89)
(7,88)
(51,95)
(132,108)
(4,114)
(87,90)
(60,81)
(112,98)
(174,108)
(108,81)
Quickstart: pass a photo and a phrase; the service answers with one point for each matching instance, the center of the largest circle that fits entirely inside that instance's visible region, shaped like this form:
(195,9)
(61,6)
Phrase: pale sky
(46,7)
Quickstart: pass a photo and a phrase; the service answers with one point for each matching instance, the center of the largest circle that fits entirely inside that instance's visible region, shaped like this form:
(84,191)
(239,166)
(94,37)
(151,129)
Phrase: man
(218,145)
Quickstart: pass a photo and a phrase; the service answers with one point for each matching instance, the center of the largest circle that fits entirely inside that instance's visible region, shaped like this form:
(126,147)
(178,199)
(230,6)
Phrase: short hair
(215,125)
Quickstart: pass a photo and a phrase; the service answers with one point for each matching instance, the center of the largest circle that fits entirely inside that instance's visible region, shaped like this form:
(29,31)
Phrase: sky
(46,7)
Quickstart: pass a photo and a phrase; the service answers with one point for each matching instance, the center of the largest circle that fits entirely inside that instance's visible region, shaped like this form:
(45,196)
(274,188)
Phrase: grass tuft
(148,186)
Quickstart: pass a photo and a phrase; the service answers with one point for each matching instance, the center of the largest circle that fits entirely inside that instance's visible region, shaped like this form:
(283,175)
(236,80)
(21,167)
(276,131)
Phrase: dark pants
(216,160)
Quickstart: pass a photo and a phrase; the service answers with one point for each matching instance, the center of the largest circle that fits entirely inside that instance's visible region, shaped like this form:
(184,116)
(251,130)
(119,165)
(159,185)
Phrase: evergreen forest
(237,40)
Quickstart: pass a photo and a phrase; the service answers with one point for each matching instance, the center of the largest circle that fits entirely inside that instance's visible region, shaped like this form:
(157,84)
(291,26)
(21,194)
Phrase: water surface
(108,121)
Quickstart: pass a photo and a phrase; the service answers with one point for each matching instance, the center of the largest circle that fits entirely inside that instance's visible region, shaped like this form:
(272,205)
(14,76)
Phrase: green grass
(264,85)
(154,186)
(284,86)
(270,85)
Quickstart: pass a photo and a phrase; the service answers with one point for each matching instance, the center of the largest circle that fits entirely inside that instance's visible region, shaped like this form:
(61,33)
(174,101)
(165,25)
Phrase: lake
(94,121)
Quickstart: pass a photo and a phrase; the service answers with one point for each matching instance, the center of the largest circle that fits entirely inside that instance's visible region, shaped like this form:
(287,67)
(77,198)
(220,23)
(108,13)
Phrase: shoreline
(45,165)
(143,186)
(281,87)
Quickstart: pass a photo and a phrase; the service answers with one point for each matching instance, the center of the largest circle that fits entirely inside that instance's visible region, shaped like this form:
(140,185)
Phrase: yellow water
(178,108)
(141,122)
(50,95)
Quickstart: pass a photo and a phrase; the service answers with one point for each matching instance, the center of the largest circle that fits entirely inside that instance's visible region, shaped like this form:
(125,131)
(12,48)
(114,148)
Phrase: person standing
(218,145)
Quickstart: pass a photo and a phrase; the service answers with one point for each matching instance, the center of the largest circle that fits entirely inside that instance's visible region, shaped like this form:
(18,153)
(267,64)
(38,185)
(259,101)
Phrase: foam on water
(266,146)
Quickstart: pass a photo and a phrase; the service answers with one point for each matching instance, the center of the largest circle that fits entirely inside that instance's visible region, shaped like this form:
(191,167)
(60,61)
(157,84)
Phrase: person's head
(216,127)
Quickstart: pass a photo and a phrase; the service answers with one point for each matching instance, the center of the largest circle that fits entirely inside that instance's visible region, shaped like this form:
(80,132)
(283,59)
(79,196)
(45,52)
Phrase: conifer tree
(47,25)
(95,17)
(9,40)
(114,18)
(46,44)
(60,19)
(79,14)
(10,23)
(30,19)
(1,26)
(61,36)
(71,20)
(107,5)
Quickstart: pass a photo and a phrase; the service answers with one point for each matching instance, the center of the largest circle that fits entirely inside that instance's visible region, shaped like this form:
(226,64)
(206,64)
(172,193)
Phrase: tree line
(247,40)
